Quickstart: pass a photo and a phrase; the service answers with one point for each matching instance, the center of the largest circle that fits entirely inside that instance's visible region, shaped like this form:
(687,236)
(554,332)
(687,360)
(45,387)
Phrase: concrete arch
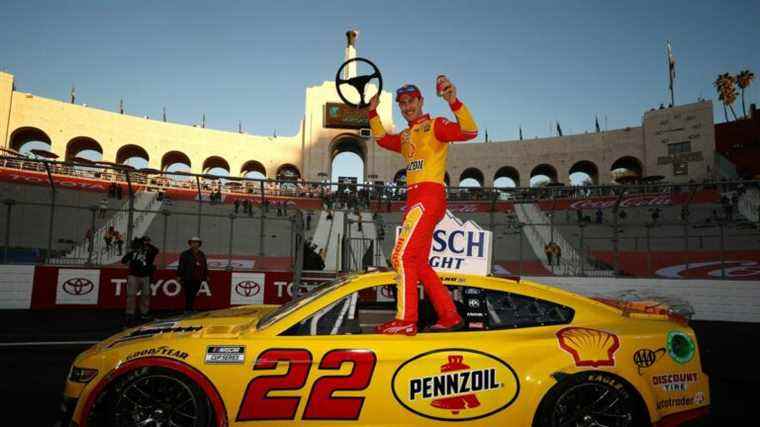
(507,172)
(25,134)
(627,168)
(173,157)
(288,171)
(585,166)
(473,173)
(215,162)
(544,169)
(79,144)
(129,151)
(253,166)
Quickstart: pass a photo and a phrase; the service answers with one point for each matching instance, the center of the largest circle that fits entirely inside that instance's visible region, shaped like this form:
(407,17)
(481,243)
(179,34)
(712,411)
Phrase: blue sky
(515,63)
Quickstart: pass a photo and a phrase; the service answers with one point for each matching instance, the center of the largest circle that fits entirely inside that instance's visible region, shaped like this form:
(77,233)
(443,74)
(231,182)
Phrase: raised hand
(446,89)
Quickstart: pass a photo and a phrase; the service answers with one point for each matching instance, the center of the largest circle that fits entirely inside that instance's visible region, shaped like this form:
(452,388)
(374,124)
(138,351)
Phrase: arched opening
(132,155)
(26,139)
(84,147)
(583,173)
(176,161)
(288,172)
(626,169)
(471,177)
(348,156)
(446,179)
(253,169)
(542,175)
(216,165)
(506,177)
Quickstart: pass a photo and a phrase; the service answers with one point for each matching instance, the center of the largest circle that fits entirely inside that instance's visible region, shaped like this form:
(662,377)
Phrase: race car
(529,355)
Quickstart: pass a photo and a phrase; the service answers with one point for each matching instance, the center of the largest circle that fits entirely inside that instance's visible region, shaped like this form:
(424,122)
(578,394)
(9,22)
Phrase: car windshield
(299,301)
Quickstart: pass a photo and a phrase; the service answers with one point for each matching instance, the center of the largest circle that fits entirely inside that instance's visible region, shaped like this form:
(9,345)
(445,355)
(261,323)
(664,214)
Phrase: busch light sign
(459,247)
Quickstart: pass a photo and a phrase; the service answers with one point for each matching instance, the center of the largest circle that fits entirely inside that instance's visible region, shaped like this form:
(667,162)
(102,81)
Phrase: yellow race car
(529,355)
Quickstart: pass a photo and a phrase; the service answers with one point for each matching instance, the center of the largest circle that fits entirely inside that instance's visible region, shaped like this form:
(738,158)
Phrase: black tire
(590,399)
(165,396)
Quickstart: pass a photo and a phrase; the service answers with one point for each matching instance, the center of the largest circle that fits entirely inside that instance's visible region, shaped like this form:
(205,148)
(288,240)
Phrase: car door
(331,367)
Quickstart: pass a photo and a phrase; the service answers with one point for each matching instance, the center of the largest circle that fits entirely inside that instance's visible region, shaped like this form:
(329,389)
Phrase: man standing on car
(140,260)
(192,271)
(424,145)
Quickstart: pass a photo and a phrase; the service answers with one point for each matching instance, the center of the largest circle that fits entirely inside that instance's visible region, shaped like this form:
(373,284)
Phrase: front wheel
(591,399)
(152,397)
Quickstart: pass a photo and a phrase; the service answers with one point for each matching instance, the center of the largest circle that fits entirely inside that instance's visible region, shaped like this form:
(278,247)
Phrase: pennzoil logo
(455,385)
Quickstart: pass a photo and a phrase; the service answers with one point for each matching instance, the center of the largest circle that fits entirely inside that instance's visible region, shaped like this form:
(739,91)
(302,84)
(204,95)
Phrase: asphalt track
(37,347)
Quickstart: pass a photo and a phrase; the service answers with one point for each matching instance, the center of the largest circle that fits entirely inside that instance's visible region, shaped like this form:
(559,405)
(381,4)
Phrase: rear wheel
(152,397)
(591,399)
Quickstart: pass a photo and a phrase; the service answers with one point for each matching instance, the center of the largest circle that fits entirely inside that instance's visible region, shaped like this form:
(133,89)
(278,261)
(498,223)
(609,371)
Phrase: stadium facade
(676,143)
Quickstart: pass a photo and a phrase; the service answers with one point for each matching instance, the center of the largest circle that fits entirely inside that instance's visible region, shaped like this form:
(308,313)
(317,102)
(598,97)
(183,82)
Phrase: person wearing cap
(424,145)
(140,261)
(192,271)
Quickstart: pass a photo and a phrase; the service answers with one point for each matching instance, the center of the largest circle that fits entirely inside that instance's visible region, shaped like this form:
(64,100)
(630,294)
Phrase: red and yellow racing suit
(424,145)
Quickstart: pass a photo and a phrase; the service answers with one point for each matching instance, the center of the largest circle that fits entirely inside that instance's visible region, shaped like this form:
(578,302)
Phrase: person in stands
(192,271)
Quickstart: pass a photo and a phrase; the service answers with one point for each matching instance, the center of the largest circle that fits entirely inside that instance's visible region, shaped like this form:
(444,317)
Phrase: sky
(516,64)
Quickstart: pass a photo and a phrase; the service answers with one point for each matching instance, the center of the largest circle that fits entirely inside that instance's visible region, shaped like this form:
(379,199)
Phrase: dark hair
(136,243)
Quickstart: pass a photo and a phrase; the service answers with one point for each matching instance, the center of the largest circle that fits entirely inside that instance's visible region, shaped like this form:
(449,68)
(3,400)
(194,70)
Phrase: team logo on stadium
(78,286)
(247,288)
(455,385)
(589,347)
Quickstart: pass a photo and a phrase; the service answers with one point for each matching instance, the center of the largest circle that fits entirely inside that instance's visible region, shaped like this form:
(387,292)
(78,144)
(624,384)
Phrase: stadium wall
(47,287)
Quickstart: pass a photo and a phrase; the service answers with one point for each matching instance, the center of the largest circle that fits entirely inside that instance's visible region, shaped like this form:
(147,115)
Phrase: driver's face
(411,107)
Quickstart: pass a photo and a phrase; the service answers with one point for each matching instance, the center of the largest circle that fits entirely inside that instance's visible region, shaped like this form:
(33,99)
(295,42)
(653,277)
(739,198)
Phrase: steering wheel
(359,82)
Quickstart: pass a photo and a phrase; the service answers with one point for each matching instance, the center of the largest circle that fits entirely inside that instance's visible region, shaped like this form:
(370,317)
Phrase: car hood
(227,323)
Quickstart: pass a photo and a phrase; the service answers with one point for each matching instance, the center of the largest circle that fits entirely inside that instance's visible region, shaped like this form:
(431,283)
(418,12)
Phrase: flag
(203,122)
(164,113)
(73,94)
(521,137)
(559,129)
(486,135)
(240,126)
(121,106)
(597,123)
(671,65)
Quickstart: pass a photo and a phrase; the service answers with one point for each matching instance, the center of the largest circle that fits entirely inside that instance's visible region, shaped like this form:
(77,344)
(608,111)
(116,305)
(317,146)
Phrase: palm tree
(743,80)
(725,85)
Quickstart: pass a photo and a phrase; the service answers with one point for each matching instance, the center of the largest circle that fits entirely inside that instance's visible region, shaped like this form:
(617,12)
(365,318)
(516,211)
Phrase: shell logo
(455,385)
(589,347)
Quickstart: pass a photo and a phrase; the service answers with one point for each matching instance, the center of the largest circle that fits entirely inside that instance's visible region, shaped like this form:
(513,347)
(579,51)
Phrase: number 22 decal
(321,404)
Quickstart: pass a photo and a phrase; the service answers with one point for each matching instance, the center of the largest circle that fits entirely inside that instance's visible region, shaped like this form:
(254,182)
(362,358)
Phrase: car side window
(482,309)
(490,309)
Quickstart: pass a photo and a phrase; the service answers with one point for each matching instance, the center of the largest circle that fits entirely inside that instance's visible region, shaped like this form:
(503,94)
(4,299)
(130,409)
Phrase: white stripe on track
(43,343)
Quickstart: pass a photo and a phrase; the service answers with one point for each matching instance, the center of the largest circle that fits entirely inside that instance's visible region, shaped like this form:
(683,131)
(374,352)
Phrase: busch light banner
(459,247)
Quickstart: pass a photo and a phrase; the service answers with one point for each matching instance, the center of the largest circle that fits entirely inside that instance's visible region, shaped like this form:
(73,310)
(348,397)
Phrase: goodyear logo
(455,385)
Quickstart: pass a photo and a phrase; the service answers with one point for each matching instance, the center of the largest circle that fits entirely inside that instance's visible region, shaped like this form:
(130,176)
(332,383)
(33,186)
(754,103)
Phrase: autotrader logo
(247,288)
(78,286)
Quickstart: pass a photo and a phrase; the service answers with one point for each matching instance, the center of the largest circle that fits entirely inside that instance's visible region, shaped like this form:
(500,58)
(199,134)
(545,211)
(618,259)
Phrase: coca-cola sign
(627,202)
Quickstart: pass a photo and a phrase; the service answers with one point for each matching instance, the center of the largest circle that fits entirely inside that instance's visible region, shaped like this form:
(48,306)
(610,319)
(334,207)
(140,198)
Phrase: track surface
(33,370)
